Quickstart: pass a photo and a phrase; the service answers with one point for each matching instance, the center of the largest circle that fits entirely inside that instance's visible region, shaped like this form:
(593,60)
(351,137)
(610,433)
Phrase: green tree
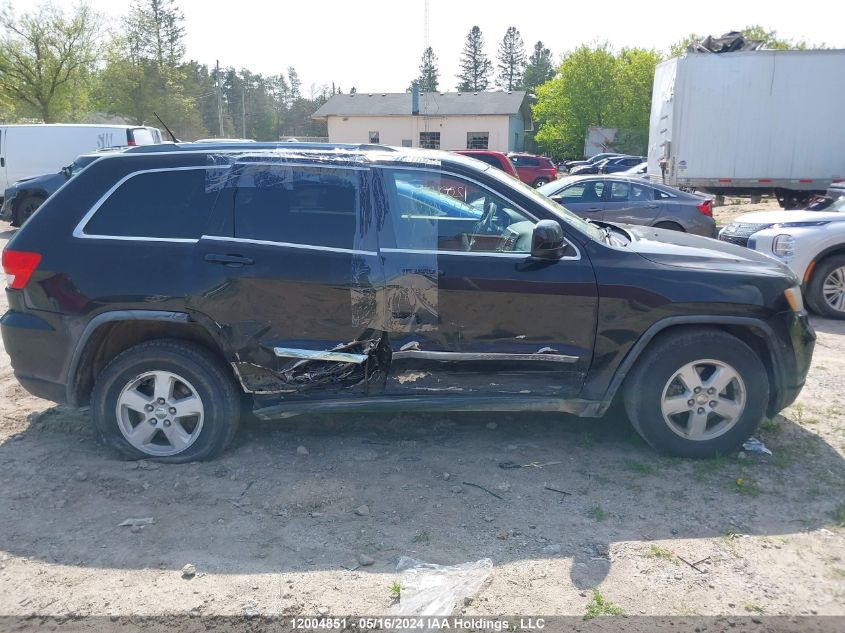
(475,66)
(581,95)
(511,60)
(157,31)
(596,87)
(539,69)
(429,75)
(46,58)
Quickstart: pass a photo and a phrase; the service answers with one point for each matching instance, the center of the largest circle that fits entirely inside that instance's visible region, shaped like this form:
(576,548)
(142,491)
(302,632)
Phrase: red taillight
(19,266)
(706,208)
(131,143)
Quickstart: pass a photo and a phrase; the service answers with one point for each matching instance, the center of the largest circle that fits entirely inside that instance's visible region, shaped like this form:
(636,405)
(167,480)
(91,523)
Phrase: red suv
(497,159)
(533,170)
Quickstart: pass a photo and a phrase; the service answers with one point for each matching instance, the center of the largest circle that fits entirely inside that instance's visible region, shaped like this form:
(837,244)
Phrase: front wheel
(168,400)
(697,393)
(826,290)
(27,207)
(540,182)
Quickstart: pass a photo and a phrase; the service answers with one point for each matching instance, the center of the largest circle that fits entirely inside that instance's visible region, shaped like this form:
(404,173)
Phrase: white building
(445,120)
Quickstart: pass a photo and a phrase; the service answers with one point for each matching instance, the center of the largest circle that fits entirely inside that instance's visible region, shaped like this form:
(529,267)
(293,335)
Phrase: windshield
(564,214)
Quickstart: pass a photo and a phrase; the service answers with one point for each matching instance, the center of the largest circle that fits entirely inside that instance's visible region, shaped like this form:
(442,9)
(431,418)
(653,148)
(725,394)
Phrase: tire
(743,400)
(26,207)
(829,272)
(207,424)
(540,182)
(670,226)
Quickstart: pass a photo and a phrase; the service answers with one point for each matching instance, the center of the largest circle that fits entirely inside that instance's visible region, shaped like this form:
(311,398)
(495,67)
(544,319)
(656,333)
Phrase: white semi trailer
(750,123)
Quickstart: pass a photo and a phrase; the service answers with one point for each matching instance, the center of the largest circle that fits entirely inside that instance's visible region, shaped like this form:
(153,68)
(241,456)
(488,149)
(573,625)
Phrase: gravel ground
(310,515)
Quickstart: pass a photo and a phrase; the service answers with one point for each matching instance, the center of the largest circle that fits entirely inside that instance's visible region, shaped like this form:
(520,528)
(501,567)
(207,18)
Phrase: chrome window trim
(482,356)
(420,251)
(311,247)
(79,230)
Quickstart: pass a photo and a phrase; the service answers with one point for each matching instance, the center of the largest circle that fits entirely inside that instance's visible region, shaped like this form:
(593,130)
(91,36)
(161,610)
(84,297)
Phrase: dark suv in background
(162,287)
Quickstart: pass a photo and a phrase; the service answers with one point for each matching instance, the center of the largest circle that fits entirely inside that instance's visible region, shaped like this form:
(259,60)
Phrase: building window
(430,140)
(406,142)
(478,140)
(374,137)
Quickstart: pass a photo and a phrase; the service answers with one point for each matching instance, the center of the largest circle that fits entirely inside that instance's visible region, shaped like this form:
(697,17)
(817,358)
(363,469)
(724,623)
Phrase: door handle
(233,261)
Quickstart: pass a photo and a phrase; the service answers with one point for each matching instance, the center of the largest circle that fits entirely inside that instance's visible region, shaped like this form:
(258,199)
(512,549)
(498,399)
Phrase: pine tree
(475,67)
(511,60)
(539,69)
(429,75)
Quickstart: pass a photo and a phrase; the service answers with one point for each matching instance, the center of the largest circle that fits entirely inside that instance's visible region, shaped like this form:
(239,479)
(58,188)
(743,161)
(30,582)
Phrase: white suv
(810,242)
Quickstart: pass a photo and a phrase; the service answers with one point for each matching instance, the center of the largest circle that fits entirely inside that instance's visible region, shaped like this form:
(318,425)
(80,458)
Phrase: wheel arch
(110,333)
(830,251)
(751,331)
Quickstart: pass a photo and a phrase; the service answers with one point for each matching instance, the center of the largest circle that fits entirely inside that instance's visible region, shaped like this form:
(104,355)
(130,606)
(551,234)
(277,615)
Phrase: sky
(376,45)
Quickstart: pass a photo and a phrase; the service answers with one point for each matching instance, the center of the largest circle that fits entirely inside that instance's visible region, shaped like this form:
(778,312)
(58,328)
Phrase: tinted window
(299,205)
(441,212)
(165,204)
(525,161)
(629,192)
(661,195)
(589,191)
(487,158)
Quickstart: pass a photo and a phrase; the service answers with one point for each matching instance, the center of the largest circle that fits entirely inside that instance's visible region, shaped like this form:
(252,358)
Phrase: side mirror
(66,171)
(547,240)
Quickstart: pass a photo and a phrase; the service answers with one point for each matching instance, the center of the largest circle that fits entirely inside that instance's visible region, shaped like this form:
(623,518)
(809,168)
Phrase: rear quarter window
(172,204)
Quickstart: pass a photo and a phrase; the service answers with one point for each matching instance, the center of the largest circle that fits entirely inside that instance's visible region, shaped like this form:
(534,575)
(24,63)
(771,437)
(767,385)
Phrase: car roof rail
(250,147)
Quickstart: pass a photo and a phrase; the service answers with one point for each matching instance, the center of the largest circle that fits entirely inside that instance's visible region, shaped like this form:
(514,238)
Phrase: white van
(32,150)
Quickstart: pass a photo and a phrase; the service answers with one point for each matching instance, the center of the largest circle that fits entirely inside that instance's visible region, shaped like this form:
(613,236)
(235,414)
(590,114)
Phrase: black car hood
(674,248)
(48,183)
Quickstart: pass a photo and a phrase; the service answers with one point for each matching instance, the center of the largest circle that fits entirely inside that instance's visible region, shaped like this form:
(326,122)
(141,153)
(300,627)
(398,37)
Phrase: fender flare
(71,369)
(656,328)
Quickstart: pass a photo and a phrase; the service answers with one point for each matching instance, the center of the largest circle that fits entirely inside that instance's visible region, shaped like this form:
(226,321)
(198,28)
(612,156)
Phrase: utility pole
(219,100)
(243,110)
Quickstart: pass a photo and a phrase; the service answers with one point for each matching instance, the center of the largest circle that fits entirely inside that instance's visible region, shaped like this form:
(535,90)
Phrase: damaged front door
(298,245)
(469,311)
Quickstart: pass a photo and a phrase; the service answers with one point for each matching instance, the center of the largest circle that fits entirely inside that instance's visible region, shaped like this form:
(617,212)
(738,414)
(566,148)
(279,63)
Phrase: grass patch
(395,591)
(600,605)
(704,469)
(745,487)
(839,515)
(655,551)
(638,467)
(421,537)
(753,608)
(770,425)
(598,513)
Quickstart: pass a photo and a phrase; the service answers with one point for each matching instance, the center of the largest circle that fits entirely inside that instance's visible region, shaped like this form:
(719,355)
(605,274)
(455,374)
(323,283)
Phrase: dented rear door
(290,276)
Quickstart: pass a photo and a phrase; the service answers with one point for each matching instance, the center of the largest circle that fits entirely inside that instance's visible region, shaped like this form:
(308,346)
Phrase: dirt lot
(272,526)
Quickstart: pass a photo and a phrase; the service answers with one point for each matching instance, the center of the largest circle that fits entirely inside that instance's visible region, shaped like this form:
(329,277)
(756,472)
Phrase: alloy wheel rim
(160,413)
(833,289)
(703,400)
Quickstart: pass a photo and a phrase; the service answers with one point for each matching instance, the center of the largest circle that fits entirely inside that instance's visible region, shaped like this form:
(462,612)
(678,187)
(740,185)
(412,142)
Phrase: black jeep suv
(164,287)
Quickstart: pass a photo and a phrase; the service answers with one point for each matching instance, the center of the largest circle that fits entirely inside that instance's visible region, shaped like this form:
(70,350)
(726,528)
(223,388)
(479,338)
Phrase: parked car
(810,242)
(32,150)
(619,164)
(631,200)
(534,170)
(21,199)
(640,170)
(161,287)
(570,164)
(499,160)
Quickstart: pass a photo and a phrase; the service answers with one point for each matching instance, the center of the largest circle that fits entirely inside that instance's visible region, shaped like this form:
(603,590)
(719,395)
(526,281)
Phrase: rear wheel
(697,393)
(670,226)
(27,207)
(540,182)
(826,290)
(168,400)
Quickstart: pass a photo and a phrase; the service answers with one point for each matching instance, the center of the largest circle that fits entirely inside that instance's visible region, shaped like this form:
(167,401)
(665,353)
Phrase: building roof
(431,104)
